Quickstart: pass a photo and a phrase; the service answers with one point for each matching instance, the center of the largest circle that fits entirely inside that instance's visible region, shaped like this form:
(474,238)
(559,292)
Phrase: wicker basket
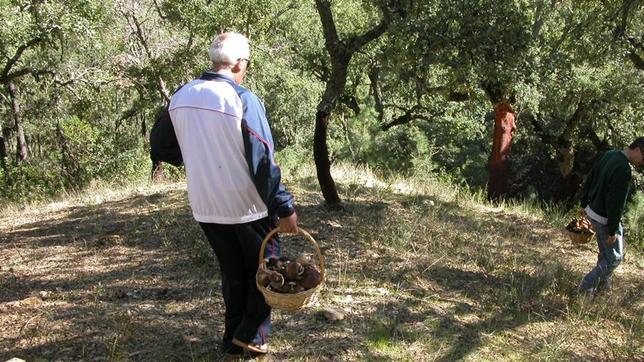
(291,301)
(580,238)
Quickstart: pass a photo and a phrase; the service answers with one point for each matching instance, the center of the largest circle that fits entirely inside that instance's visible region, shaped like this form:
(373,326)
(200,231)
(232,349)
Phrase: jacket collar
(210,75)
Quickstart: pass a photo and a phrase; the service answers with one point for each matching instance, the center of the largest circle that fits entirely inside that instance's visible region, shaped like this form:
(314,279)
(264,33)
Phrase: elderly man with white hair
(220,132)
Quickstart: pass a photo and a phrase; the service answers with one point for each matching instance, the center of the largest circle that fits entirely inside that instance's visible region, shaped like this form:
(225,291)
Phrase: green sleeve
(583,201)
(616,197)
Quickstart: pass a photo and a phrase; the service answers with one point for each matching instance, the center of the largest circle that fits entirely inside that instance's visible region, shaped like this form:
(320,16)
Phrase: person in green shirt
(602,202)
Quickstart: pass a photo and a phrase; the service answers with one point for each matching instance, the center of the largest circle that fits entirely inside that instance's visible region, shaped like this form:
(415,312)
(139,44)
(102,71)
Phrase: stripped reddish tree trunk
(504,127)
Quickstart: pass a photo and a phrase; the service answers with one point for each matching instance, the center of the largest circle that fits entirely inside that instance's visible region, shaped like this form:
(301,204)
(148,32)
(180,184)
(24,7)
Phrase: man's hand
(611,240)
(288,224)
(582,212)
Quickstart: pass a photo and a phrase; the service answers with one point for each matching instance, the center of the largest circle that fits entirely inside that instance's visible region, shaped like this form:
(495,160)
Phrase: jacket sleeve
(163,141)
(583,200)
(616,196)
(259,151)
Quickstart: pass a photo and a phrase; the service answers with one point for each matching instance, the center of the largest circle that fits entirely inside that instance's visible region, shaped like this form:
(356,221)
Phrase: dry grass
(421,271)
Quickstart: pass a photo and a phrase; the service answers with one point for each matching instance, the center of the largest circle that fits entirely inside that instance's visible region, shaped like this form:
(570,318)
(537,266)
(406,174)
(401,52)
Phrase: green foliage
(290,98)
(461,143)
(81,147)
(634,221)
(84,156)
(361,140)
(26,182)
(90,77)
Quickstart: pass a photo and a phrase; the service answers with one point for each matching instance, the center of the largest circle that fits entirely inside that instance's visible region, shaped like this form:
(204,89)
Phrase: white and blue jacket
(220,132)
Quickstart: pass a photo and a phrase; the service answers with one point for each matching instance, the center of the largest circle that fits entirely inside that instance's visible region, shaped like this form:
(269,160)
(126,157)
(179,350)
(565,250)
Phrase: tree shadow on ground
(514,268)
(128,279)
(511,300)
(134,279)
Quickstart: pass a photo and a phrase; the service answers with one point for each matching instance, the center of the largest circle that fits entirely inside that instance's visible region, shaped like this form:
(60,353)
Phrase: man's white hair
(228,48)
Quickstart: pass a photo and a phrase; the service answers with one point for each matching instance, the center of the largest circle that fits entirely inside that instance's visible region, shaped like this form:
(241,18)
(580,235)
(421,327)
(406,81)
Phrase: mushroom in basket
(580,226)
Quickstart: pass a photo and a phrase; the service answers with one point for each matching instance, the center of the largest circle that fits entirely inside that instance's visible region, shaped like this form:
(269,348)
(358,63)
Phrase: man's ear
(237,67)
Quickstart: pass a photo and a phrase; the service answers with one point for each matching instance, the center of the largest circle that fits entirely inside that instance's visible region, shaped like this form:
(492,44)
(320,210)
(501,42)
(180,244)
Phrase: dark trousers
(237,249)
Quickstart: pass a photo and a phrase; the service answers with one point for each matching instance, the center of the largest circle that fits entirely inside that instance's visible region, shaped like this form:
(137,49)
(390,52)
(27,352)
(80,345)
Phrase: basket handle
(300,231)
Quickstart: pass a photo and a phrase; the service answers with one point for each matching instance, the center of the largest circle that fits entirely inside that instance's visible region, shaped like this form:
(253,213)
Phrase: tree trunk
(572,180)
(157,171)
(21,149)
(564,141)
(3,156)
(340,53)
(322,162)
(375,92)
(64,154)
(504,127)
(570,177)
(335,86)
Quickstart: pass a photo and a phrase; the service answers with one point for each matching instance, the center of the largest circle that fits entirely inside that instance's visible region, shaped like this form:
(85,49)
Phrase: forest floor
(420,272)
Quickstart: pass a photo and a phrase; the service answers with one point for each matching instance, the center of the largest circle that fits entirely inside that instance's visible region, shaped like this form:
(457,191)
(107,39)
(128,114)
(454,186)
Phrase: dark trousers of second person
(237,249)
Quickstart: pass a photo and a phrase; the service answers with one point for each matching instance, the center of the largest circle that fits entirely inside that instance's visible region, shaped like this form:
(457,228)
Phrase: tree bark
(333,91)
(504,127)
(340,53)
(157,171)
(3,156)
(564,142)
(375,92)
(322,162)
(21,149)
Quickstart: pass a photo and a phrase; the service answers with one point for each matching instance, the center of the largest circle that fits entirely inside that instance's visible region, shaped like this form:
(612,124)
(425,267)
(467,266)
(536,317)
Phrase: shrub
(634,221)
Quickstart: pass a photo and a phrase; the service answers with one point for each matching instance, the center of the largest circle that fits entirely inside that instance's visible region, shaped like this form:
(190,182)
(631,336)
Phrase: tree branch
(320,70)
(619,33)
(388,10)
(540,16)
(4,76)
(139,34)
(571,124)
(600,144)
(163,90)
(411,115)
(358,42)
(375,91)
(158,9)
(351,102)
(544,136)
(633,55)
(331,40)
(625,9)
(273,19)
